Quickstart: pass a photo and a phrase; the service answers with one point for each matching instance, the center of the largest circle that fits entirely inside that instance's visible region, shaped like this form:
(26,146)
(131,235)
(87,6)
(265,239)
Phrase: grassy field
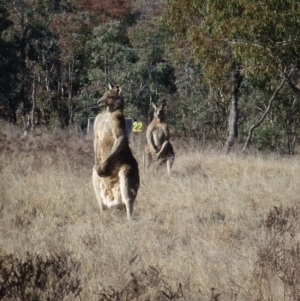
(219,228)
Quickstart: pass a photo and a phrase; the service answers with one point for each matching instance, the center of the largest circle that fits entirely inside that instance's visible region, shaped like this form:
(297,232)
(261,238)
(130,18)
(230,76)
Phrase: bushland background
(224,225)
(221,227)
(228,71)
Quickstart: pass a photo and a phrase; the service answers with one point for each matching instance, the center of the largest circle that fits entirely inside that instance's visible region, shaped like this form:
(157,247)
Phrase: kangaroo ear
(153,105)
(110,86)
(163,105)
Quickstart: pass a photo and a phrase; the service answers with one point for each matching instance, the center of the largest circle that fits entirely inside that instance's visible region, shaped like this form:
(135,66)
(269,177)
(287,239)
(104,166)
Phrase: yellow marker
(137,126)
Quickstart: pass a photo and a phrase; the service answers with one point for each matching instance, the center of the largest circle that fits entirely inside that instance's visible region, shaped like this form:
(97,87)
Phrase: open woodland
(221,227)
(225,224)
(228,71)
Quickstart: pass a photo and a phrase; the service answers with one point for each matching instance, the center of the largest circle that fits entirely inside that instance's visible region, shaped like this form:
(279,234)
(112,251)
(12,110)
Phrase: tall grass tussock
(218,228)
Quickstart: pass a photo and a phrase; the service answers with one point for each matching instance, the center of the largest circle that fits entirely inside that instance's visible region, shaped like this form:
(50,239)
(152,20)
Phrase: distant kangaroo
(158,148)
(115,173)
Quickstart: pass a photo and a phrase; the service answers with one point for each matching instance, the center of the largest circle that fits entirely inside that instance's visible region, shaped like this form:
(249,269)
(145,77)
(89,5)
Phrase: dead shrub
(35,278)
(278,267)
(147,285)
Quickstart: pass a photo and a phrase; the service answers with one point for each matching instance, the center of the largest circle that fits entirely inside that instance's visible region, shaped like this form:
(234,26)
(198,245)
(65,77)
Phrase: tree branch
(260,121)
(291,85)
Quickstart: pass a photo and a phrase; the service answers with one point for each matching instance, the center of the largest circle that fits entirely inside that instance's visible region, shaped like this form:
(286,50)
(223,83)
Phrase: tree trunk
(70,95)
(29,116)
(13,112)
(70,107)
(33,104)
(233,116)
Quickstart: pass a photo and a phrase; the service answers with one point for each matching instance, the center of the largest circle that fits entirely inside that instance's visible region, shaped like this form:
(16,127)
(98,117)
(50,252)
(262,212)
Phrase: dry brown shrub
(146,285)
(35,278)
(278,265)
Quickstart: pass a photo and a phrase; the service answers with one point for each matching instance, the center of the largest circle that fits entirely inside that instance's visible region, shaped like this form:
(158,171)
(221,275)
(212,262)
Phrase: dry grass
(203,227)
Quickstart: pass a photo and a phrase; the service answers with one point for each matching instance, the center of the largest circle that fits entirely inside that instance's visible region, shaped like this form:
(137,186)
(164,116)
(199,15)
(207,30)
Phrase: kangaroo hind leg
(128,188)
(97,189)
(170,161)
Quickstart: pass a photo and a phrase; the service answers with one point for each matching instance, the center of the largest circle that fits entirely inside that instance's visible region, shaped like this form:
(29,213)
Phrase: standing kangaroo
(158,148)
(115,173)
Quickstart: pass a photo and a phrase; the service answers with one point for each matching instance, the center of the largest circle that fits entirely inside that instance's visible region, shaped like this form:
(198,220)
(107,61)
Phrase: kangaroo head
(159,111)
(112,99)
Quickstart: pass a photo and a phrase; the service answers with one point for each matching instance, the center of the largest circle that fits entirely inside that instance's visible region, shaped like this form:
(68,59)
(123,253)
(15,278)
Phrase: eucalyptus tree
(234,39)
(27,39)
(107,10)
(129,49)
(30,38)
(110,58)
(279,130)
(72,31)
(153,76)
(19,35)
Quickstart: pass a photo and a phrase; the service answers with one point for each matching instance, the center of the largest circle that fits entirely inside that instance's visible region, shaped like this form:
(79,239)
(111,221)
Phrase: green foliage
(184,53)
(4,21)
(135,60)
(153,74)
(280,129)
(110,52)
(8,68)
(260,35)
(110,58)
